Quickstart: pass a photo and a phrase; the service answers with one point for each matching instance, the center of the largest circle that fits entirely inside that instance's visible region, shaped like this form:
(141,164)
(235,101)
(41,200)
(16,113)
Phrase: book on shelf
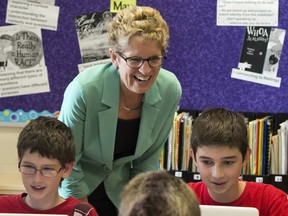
(274,155)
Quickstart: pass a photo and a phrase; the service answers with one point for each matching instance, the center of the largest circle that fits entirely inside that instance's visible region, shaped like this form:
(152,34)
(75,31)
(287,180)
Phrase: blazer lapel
(148,119)
(108,117)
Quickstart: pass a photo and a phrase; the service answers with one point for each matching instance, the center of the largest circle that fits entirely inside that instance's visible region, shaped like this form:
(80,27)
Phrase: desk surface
(11,184)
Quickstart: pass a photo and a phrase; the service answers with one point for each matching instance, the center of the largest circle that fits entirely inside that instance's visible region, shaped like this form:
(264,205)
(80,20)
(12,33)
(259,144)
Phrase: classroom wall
(8,151)
(200,53)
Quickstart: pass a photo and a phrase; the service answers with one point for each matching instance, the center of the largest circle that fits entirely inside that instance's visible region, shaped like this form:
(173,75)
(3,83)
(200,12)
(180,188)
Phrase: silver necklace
(134,109)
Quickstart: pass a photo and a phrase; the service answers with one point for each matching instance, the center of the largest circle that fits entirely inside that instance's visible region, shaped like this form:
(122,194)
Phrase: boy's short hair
(219,127)
(158,193)
(49,137)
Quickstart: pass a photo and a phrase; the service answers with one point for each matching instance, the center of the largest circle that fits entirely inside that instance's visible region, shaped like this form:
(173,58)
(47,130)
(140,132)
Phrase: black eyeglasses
(46,172)
(137,62)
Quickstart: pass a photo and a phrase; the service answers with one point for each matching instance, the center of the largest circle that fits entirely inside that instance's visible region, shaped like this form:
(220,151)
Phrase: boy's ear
(192,154)
(247,156)
(68,169)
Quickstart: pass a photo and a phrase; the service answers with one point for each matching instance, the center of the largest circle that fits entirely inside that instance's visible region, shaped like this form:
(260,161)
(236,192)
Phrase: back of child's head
(158,193)
(219,127)
(48,137)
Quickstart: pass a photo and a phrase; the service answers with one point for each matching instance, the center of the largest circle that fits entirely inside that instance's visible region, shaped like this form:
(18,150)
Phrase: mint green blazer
(90,109)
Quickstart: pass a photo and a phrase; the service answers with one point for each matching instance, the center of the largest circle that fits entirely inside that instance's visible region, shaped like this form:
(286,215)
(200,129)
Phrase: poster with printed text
(22,64)
(20,47)
(254,48)
(260,56)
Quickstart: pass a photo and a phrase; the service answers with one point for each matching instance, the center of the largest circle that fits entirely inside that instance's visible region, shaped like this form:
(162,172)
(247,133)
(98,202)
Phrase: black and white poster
(254,48)
(273,53)
(260,56)
(92,35)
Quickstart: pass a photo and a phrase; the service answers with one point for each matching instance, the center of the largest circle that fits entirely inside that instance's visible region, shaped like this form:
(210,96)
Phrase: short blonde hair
(158,193)
(145,22)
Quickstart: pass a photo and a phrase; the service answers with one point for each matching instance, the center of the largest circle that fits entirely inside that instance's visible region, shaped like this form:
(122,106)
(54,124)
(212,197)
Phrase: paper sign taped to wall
(247,13)
(117,5)
(32,14)
(260,56)
(23,82)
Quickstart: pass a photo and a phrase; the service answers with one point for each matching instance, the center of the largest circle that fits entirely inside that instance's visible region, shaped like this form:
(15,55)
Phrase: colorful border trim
(8,116)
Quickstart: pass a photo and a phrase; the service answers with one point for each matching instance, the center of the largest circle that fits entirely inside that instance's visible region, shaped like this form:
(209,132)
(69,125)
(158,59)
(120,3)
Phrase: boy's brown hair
(50,138)
(219,127)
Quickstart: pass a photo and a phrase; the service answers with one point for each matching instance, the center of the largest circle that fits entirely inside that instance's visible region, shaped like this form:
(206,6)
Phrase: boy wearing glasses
(46,154)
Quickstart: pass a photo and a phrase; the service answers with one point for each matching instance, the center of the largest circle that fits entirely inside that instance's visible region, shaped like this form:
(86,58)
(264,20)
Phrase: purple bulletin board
(200,53)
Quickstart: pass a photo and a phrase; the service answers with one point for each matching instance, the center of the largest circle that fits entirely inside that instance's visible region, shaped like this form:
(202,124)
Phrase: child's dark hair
(50,138)
(219,127)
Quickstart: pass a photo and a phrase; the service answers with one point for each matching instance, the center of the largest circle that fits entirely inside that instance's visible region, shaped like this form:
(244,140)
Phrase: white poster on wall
(32,14)
(247,12)
(22,62)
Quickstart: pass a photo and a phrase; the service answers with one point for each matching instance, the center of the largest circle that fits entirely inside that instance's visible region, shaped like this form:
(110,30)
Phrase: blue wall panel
(200,53)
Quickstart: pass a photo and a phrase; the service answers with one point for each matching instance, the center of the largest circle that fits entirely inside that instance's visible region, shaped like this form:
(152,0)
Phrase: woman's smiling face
(139,80)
